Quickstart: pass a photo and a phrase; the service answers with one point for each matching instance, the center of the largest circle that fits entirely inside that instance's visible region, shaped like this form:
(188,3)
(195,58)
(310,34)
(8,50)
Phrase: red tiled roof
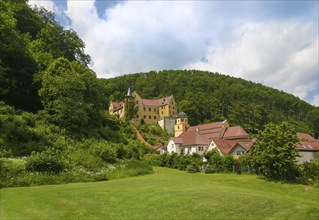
(117,105)
(158,102)
(165,101)
(214,125)
(149,102)
(209,131)
(177,140)
(246,144)
(193,138)
(236,132)
(308,146)
(305,137)
(225,146)
(307,143)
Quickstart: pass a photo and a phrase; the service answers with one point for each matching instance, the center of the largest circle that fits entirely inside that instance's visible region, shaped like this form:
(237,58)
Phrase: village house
(308,148)
(117,109)
(217,135)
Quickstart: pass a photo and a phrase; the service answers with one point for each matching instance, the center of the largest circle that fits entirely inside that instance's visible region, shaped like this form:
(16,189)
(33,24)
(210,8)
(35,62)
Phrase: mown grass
(166,194)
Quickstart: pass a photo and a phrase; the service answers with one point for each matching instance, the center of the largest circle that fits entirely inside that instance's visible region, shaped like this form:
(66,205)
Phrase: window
(172,146)
(162,112)
(144,109)
(154,109)
(144,116)
(149,109)
(182,119)
(155,117)
(137,116)
(177,127)
(200,148)
(150,117)
(240,152)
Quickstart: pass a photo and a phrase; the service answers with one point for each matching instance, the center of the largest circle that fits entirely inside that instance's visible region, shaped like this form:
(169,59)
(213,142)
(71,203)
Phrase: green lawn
(166,194)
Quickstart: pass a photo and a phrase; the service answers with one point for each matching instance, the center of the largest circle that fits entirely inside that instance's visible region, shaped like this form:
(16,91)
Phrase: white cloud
(283,55)
(137,36)
(47,4)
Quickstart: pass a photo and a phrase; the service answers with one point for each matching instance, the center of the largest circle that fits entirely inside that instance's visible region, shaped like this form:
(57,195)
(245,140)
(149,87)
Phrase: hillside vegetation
(166,194)
(207,96)
(54,123)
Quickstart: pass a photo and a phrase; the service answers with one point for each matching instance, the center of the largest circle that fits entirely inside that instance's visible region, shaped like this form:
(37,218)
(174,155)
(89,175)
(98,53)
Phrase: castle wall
(167,124)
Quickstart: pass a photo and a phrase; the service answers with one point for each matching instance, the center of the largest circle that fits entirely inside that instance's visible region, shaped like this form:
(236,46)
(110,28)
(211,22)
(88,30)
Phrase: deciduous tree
(275,153)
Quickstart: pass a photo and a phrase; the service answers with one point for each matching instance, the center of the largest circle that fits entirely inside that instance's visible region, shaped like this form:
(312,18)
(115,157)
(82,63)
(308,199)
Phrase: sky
(274,43)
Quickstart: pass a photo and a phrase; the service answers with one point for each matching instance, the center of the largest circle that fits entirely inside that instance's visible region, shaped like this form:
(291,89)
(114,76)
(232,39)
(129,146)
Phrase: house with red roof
(308,148)
(117,109)
(217,135)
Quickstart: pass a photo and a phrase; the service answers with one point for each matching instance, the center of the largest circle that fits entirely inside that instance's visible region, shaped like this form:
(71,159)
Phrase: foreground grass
(166,194)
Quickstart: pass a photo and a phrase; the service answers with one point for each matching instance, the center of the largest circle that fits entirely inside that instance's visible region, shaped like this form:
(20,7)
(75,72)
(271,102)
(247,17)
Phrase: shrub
(152,159)
(228,163)
(310,173)
(77,157)
(183,162)
(130,168)
(216,161)
(192,168)
(47,161)
(11,168)
(77,175)
(209,169)
(106,152)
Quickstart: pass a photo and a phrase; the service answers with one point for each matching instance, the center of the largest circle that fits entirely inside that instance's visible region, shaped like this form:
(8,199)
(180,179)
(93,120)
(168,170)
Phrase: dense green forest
(54,121)
(207,97)
(53,111)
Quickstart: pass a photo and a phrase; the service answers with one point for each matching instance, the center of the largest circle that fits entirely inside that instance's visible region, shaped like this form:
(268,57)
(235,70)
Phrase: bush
(310,173)
(106,152)
(11,168)
(47,161)
(209,169)
(77,157)
(152,159)
(36,179)
(192,168)
(130,168)
(228,163)
(216,161)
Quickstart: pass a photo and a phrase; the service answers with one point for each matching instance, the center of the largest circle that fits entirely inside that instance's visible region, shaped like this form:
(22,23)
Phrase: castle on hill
(152,111)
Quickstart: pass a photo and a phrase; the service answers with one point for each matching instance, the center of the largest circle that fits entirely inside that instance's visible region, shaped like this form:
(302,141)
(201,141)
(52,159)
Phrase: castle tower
(129,106)
(181,124)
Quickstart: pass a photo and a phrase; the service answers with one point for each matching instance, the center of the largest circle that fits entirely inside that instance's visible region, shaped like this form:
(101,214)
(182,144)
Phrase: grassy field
(166,194)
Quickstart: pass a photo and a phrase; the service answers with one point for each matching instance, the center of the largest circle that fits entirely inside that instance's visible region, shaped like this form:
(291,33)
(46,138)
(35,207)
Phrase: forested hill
(207,96)
(43,70)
